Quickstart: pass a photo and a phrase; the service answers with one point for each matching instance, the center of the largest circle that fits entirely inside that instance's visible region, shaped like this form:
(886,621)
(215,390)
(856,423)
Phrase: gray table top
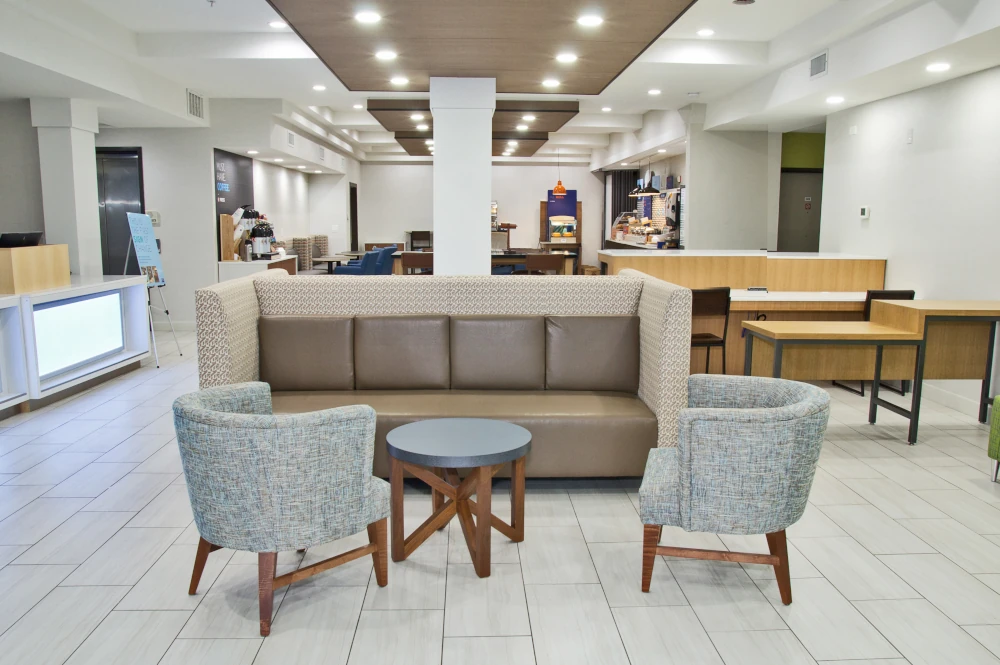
(458,443)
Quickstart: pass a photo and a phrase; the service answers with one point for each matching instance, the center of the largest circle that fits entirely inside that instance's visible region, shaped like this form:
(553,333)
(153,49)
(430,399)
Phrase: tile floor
(897,560)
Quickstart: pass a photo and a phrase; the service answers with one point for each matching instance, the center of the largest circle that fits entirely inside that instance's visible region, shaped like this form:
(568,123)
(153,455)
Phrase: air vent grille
(195,105)
(291,139)
(818,65)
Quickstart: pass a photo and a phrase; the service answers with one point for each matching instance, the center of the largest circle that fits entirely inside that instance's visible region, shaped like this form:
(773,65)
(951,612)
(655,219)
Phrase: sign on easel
(144,242)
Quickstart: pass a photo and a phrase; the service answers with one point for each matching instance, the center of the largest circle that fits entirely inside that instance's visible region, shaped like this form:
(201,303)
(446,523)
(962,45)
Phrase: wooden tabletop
(334,257)
(949,307)
(832,330)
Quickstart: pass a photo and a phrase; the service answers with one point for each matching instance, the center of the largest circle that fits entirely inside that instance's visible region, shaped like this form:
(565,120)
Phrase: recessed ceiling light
(661,150)
(522,128)
(429,142)
(529,118)
(359,106)
(301,166)
(417,116)
(317,171)
(422,128)
(367,17)
(279,159)
(512,144)
(550,83)
(319,87)
(606,109)
(590,20)
(566,57)
(506,154)
(654,91)
(706,32)
(835,99)
(278,25)
(693,94)
(938,67)
(624,163)
(251,152)
(386,55)
(399,80)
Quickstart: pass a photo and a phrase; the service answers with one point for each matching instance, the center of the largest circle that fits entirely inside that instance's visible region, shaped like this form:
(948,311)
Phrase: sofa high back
(599,361)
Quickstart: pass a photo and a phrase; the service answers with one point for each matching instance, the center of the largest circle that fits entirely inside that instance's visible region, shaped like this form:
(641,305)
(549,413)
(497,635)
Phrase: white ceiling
(760,22)
(188,15)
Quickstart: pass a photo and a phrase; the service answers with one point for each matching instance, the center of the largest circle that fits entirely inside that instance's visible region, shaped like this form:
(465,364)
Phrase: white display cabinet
(13,373)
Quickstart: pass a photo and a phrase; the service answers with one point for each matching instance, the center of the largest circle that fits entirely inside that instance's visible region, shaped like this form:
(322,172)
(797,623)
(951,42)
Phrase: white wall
(934,201)
(283,195)
(20,175)
(395,198)
(329,205)
(727,196)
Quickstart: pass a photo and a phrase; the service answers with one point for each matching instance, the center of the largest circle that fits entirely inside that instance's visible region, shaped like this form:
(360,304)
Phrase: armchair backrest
(369,262)
(385,260)
(265,483)
(748,448)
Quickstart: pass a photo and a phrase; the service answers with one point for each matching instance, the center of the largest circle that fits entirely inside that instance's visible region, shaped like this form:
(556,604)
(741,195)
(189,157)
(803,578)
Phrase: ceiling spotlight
(417,116)
(706,32)
(938,67)
(429,142)
(319,87)
(836,99)
(590,20)
(386,55)
(606,109)
(399,80)
(654,91)
(528,118)
(511,144)
(301,166)
(661,150)
(317,171)
(359,106)
(251,152)
(278,25)
(550,83)
(624,163)
(346,131)
(566,57)
(278,159)
(367,17)
(522,128)
(422,128)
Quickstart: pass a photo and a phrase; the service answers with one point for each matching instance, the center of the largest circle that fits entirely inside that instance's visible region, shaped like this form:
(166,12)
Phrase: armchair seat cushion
(573,433)
(658,500)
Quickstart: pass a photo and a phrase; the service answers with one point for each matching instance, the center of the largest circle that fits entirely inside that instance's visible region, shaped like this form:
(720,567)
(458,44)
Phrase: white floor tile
(73,541)
(170,508)
(14,498)
(90,481)
(418,583)
(876,531)
(130,638)
(212,652)
(908,475)
(619,566)
(966,509)
(962,597)
(314,625)
(724,596)
(643,631)
(400,636)
(165,584)
(132,492)
(572,625)
(124,559)
(488,651)
(761,647)
(21,587)
(27,456)
(494,606)
(230,609)
(853,570)
(33,522)
(968,549)
(892,499)
(556,555)
(101,440)
(607,516)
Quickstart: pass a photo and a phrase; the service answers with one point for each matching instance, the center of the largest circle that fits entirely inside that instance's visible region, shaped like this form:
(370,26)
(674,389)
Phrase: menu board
(233,186)
(144,244)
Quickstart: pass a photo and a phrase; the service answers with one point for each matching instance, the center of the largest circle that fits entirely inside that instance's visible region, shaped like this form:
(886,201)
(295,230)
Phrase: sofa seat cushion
(573,433)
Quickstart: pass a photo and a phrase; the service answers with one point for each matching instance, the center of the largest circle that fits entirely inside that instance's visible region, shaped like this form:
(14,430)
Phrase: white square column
(68,162)
(463,177)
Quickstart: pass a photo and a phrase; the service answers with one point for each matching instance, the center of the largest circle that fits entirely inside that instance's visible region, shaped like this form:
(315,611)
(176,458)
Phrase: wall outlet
(866,212)
(154,217)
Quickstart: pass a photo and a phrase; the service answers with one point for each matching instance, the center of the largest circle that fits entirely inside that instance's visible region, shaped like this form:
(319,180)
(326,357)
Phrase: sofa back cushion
(592,353)
(307,352)
(402,352)
(498,352)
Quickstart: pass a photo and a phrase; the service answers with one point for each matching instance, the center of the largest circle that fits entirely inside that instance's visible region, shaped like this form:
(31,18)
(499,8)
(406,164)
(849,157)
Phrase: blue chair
(366,266)
(385,260)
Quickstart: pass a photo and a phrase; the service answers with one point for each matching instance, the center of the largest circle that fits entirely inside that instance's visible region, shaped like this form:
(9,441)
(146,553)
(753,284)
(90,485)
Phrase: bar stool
(880,294)
(711,302)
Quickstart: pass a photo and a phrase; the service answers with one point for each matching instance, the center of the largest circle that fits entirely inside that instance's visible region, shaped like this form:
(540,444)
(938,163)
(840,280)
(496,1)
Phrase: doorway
(799,206)
(119,192)
(354,217)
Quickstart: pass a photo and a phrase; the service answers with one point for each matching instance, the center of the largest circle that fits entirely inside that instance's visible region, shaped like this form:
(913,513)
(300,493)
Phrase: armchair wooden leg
(200,558)
(650,540)
(377,536)
(779,547)
(267,563)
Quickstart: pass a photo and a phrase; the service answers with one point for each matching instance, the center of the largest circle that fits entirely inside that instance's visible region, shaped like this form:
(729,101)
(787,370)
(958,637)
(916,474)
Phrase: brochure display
(148,256)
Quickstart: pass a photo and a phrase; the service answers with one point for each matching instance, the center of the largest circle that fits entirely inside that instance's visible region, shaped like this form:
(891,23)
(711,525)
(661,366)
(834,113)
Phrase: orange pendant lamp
(559,190)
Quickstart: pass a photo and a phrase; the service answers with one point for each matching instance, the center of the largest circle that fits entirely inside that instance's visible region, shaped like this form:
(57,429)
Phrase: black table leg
(984,399)
(873,397)
(329,267)
(776,373)
(918,388)
(748,357)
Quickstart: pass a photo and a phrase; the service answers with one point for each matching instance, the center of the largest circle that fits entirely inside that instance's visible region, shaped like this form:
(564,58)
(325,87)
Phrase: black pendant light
(635,192)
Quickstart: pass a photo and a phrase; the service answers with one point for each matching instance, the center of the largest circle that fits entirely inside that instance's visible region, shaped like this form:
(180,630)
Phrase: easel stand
(149,310)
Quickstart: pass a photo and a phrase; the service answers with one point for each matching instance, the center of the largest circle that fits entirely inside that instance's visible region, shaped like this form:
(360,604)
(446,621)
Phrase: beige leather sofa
(595,367)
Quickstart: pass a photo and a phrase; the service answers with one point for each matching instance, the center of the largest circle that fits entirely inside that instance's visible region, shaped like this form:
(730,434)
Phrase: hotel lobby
(369,333)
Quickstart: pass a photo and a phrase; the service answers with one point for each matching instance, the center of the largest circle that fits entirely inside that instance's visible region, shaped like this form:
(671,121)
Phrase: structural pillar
(68,162)
(463,174)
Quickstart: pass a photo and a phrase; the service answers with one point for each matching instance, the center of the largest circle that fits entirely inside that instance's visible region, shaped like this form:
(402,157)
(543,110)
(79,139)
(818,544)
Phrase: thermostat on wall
(866,212)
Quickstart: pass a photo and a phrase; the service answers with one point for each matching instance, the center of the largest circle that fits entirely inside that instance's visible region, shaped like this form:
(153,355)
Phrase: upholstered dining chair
(743,465)
(271,483)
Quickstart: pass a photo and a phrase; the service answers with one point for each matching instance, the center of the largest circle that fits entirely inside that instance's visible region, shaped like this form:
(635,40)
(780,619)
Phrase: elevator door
(799,206)
(119,191)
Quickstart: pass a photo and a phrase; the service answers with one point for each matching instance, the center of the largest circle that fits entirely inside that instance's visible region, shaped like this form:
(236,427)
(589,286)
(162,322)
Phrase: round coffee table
(430,449)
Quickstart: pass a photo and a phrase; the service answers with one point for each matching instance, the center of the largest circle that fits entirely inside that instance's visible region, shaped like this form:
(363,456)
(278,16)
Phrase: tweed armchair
(744,464)
(270,483)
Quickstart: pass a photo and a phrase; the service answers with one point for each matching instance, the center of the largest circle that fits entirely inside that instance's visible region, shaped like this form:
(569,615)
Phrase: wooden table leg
(484,518)
(437,498)
(396,507)
(517,499)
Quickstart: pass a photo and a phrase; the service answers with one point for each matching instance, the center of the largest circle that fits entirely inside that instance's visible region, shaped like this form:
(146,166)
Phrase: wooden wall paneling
(825,274)
(696,272)
(543,221)
(956,349)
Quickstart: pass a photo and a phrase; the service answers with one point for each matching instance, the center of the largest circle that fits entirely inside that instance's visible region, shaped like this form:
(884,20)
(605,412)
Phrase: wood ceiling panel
(394,114)
(527,146)
(514,41)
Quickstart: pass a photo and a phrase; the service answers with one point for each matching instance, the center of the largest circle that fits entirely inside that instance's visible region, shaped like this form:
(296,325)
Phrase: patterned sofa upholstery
(228,316)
